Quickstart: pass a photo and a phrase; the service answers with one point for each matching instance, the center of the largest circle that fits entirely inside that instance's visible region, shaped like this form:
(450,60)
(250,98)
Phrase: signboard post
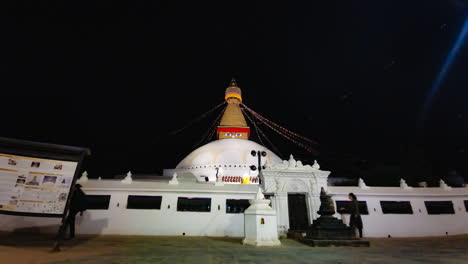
(37,179)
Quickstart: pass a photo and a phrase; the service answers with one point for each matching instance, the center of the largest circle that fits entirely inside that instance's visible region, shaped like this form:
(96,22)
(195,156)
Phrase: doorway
(298,219)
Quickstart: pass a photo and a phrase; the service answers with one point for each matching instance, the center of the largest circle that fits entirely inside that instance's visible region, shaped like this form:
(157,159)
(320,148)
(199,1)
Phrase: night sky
(352,75)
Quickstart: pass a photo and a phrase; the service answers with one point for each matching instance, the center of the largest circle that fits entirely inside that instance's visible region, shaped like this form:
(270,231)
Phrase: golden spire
(233,124)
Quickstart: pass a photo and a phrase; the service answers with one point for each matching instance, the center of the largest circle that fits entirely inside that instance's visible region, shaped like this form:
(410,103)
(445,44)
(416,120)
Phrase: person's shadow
(46,235)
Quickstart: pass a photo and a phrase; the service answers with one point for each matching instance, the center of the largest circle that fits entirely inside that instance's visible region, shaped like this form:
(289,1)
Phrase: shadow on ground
(38,240)
(151,249)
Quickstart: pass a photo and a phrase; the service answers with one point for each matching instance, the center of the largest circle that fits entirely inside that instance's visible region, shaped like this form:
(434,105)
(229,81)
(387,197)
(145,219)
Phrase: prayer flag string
(260,133)
(260,117)
(211,130)
(289,137)
(197,118)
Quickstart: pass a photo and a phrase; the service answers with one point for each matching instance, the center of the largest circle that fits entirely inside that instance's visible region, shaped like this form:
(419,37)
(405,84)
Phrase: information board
(34,185)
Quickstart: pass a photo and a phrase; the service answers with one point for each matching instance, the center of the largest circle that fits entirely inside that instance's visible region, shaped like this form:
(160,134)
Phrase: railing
(237,179)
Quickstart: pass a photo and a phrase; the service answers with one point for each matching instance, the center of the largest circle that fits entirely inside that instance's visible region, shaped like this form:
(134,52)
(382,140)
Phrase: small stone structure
(83,178)
(260,223)
(174,180)
(128,179)
(328,230)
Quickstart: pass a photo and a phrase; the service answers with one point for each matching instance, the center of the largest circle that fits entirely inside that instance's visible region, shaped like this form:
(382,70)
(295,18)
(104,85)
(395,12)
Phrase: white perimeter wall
(166,221)
(418,224)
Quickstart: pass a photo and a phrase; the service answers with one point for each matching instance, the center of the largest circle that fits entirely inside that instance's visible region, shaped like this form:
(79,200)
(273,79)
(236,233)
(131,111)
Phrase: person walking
(77,204)
(355,220)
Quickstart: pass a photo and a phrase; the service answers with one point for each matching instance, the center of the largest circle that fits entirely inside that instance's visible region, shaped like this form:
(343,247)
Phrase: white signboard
(33,185)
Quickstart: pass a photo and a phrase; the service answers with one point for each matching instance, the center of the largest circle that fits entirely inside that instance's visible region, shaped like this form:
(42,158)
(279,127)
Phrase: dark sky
(352,75)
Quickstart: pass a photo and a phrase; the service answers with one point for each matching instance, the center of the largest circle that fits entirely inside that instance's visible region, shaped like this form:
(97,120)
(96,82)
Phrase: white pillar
(313,205)
(282,210)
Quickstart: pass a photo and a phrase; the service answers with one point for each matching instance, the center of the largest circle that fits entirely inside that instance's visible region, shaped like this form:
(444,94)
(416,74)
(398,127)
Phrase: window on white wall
(439,207)
(343,207)
(466,205)
(394,207)
(185,204)
(234,206)
(144,202)
(97,202)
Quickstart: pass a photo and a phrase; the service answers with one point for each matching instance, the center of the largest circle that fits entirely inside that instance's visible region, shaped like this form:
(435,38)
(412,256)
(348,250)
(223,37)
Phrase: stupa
(232,151)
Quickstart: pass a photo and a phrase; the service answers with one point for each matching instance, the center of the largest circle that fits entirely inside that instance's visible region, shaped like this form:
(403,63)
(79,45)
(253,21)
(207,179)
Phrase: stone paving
(24,248)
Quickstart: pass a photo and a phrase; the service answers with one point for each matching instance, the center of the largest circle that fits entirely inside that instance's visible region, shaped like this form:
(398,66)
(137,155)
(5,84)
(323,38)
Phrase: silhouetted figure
(355,220)
(77,204)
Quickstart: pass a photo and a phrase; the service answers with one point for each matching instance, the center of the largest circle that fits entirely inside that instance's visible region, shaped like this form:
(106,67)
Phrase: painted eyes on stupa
(229,134)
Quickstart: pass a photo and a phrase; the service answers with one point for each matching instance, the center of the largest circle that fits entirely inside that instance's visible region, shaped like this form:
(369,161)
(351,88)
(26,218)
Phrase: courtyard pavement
(28,248)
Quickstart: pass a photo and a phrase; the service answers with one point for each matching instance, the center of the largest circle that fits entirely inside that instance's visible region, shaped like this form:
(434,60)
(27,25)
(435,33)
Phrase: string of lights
(304,146)
(278,126)
(260,132)
(308,148)
(211,130)
(255,126)
(291,133)
(271,144)
(191,122)
(214,125)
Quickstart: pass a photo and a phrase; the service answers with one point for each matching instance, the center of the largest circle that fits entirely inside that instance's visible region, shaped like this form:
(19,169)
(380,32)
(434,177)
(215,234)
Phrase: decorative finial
(84,177)
(291,162)
(404,185)
(315,165)
(299,164)
(444,185)
(174,180)
(128,179)
(233,82)
(260,195)
(362,184)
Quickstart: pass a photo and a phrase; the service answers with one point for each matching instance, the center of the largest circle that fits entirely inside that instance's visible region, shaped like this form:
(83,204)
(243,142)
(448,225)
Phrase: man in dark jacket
(355,218)
(77,204)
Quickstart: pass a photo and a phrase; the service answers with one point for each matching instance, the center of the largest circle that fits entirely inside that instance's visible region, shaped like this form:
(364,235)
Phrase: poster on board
(34,185)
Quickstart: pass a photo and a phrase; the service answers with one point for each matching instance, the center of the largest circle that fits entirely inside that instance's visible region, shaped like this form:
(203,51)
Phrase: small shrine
(328,230)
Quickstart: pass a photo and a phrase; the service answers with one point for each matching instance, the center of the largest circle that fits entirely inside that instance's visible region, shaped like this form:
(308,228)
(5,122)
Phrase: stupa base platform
(338,242)
(335,243)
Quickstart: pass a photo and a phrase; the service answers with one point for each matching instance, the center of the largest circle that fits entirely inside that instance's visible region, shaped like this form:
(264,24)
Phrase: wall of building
(167,221)
(279,182)
(418,224)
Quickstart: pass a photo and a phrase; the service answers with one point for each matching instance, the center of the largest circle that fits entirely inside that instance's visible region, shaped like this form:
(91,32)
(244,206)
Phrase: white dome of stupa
(233,156)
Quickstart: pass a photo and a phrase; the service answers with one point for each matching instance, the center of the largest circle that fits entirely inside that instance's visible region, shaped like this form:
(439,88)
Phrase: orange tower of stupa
(233,123)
